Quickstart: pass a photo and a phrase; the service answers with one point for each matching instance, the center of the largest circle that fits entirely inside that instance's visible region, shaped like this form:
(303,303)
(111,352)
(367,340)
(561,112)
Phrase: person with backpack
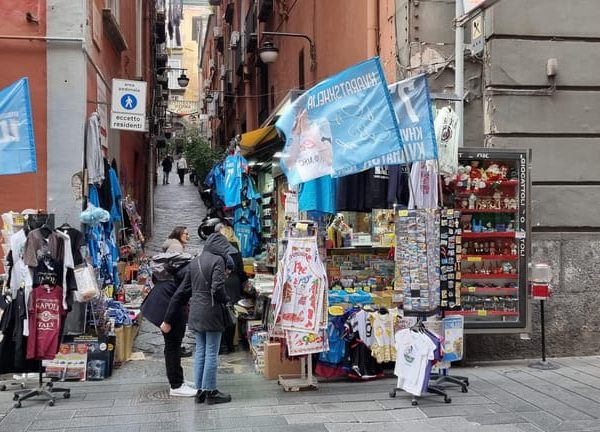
(168,271)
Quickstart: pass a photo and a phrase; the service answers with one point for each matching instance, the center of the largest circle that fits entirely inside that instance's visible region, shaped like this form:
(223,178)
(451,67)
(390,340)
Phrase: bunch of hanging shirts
(418,349)
(234,189)
(360,342)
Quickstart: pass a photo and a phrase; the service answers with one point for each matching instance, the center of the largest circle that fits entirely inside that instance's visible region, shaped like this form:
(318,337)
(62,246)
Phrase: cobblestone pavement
(502,397)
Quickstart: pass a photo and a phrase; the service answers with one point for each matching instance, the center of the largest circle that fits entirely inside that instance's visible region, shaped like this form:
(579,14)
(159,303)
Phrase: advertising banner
(17,142)
(339,124)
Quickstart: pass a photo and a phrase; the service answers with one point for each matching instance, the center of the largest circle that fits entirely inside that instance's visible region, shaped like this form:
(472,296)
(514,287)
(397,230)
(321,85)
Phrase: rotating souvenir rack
(299,285)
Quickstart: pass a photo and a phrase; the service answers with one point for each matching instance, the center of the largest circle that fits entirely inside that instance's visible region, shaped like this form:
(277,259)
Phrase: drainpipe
(372,27)
(249,102)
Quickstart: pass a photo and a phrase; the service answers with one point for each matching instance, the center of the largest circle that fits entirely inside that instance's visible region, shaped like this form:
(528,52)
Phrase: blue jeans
(206,359)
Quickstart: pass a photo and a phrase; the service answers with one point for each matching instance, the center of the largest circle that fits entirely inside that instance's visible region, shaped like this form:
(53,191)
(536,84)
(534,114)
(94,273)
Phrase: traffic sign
(128,108)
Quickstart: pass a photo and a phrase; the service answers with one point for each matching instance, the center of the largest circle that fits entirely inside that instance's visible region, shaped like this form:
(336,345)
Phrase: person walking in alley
(177,240)
(204,287)
(181,168)
(167,165)
(234,283)
(169,270)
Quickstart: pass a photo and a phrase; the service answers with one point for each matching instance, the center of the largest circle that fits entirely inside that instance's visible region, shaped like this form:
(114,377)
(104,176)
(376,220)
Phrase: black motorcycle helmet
(206,196)
(207,227)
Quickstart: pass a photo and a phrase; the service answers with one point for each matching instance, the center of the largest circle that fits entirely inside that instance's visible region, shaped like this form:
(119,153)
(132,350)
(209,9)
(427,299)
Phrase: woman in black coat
(204,288)
(233,284)
(154,308)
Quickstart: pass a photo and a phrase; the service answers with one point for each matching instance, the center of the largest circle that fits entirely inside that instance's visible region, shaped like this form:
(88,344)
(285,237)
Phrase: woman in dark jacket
(204,287)
(233,284)
(154,308)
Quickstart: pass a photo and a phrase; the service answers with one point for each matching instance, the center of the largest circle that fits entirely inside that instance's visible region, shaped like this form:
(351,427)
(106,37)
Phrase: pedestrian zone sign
(128,108)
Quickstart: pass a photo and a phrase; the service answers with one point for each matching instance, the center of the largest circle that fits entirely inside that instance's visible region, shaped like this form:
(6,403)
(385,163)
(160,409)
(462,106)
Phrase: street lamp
(268,52)
(182,80)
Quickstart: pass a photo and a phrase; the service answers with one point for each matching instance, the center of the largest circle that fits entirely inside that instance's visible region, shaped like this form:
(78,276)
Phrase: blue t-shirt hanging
(317,195)
(247,237)
(234,167)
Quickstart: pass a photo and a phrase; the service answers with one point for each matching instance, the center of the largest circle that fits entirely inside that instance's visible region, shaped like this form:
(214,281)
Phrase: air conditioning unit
(212,64)
(217,32)
(223,73)
(234,40)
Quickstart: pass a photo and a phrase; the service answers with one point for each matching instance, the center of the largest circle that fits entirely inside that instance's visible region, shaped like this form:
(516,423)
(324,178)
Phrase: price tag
(474,259)
(472,290)
(520,234)
(450,212)
(482,312)
(19,220)
(403,213)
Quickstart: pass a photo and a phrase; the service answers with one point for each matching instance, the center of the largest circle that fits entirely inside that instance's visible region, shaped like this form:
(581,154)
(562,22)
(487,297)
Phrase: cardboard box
(275,366)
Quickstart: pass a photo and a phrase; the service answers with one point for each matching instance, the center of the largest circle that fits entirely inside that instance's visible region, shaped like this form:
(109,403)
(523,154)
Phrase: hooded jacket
(204,287)
(172,245)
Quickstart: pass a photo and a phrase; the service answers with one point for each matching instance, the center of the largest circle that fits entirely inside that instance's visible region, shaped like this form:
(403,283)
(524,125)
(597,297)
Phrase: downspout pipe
(372,27)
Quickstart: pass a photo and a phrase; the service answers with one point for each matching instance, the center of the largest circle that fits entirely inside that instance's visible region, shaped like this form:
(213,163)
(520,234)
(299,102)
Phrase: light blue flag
(412,104)
(339,124)
(17,143)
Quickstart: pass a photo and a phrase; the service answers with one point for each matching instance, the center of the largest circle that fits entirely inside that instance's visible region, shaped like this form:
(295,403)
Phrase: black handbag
(229,317)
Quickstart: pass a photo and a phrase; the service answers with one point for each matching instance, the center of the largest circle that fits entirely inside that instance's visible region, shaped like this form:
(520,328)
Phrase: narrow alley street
(505,396)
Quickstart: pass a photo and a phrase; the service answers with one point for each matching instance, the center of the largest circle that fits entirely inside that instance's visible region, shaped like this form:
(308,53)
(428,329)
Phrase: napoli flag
(17,143)
(339,124)
(412,104)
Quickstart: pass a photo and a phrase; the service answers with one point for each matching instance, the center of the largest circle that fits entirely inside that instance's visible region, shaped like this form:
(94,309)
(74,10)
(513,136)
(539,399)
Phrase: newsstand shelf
(495,234)
(483,313)
(489,276)
(477,258)
(490,291)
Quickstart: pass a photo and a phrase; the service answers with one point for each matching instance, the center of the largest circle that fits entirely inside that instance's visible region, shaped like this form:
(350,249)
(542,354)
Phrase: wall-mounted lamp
(268,52)
(182,80)
(208,98)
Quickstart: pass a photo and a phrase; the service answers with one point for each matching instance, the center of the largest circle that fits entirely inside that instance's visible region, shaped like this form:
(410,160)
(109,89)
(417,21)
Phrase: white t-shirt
(361,324)
(414,351)
(383,347)
(424,181)
(181,163)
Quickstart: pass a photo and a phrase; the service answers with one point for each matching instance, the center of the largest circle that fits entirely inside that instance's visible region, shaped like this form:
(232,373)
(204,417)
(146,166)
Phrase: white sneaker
(190,384)
(183,391)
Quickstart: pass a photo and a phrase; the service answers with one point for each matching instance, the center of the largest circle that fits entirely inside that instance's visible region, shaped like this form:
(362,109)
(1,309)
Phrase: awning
(253,140)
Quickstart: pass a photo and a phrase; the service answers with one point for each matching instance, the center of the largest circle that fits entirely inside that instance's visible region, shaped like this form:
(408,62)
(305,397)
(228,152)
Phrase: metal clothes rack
(432,386)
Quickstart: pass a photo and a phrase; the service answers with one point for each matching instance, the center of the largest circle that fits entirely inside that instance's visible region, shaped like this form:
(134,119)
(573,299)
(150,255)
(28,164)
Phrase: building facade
(532,87)
(71,53)
(243,92)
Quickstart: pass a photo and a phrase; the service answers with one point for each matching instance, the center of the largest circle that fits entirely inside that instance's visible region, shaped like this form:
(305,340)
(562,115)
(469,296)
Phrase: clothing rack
(46,390)
(432,387)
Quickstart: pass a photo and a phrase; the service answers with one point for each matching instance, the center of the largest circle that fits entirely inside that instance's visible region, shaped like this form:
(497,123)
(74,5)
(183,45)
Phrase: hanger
(65,226)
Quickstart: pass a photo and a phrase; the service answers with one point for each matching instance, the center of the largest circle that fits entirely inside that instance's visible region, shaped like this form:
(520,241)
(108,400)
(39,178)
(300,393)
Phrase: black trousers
(173,352)
(227,338)
(181,174)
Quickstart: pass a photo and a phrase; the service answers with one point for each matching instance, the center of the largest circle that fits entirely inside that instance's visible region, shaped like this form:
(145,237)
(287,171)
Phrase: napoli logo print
(128,101)
(408,354)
